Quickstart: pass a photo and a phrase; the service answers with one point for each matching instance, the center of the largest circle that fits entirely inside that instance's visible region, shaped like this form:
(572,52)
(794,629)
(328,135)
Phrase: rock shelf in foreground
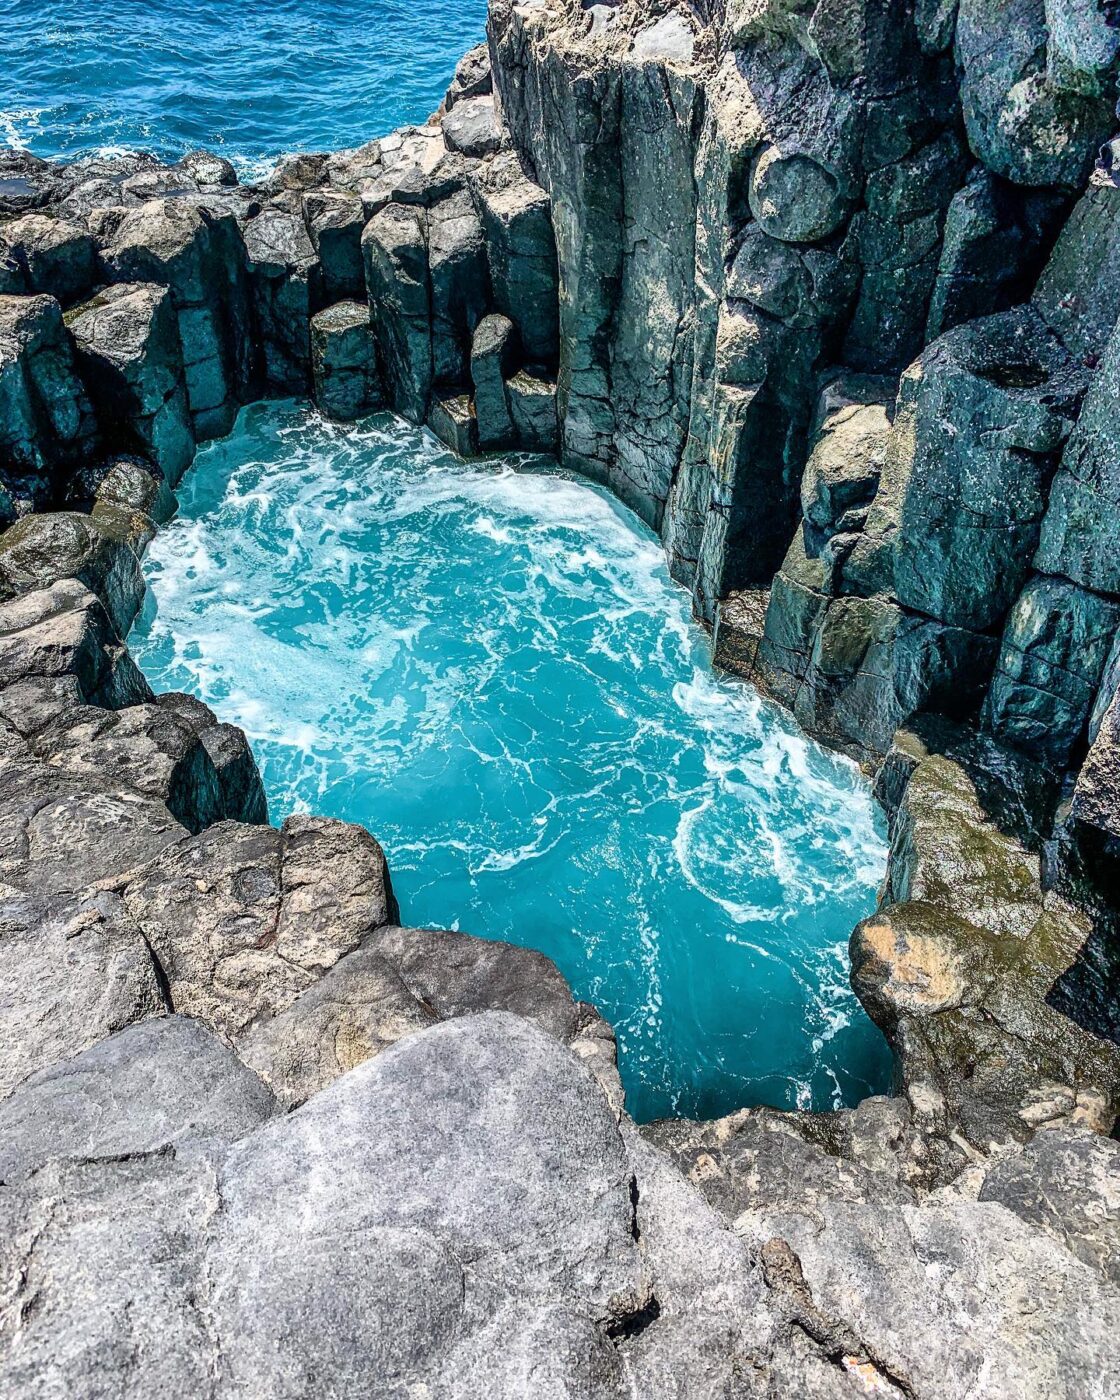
(825,291)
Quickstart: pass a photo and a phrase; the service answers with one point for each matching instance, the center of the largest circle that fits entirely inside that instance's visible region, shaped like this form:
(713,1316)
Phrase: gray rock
(451,417)
(532,406)
(1065,1183)
(472,77)
(335,220)
(208,169)
(64,630)
(473,127)
(154,1084)
(197,253)
(494,349)
(459,285)
(284,274)
(245,918)
(1080,532)
(1075,294)
(478,1140)
(959,508)
(1029,118)
(129,353)
(521,251)
(55,256)
(241,791)
(395,251)
(46,420)
(72,971)
(1051,661)
(344,362)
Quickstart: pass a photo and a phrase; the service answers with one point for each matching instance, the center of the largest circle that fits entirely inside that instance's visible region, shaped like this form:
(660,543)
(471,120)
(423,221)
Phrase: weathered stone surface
(979,421)
(245,918)
(1030,114)
(494,350)
(1051,661)
(1075,294)
(482,1140)
(241,792)
(459,285)
(199,255)
(521,252)
(54,256)
(1081,530)
(129,353)
(995,235)
(451,417)
(72,971)
(62,631)
(532,406)
(472,77)
(961,968)
(344,369)
(155,1084)
(473,127)
(284,274)
(395,251)
(398,982)
(46,421)
(335,220)
(1065,1182)
(843,469)
(208,169)
(41,550)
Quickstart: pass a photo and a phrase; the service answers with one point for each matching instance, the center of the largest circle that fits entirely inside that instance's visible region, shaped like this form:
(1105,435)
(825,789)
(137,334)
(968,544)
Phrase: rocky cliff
(826,291)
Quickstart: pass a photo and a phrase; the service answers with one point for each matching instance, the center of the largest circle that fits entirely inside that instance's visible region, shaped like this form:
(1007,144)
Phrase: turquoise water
(492,671)
(252,78)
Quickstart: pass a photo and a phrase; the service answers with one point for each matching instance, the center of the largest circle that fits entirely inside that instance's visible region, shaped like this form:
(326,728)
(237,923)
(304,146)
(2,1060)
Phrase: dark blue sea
(252,79)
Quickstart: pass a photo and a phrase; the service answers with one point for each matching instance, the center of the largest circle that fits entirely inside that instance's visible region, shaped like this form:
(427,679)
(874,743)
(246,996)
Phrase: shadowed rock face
(823,289)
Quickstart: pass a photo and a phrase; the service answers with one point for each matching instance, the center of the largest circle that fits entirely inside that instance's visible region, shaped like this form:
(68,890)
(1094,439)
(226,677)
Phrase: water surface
(250,78)
(491,669)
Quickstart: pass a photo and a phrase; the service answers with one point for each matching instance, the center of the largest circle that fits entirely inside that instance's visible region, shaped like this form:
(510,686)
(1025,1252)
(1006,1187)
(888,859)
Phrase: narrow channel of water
(491,669)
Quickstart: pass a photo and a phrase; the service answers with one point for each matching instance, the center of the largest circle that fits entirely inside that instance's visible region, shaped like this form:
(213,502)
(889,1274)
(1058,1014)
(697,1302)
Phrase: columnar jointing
(825,290)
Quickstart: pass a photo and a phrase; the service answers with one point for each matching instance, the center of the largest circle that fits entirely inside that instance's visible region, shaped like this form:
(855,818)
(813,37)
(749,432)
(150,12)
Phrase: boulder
(153,1085)
(521,251)
(196,252)
(46,420)
(1052,657)
(344,362)
(451,417)
(494,351)
(1031,114)
(130,356)
(130,494)
(473,128)
(55,256)
(532,406)
(208,170)
(64,631)
(284,274)
(335,220)
(245,918)
(241,792)
(72,971)
(395,252)
(472,77)
(41,550)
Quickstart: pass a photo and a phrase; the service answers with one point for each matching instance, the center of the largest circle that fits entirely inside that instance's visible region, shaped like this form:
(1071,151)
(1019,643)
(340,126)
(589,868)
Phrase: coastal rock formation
(825,290)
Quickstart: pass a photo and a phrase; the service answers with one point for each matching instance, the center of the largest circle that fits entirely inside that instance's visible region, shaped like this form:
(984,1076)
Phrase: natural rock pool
(491,669)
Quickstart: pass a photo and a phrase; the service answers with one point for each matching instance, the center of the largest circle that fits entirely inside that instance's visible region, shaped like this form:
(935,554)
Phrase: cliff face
(825,290)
